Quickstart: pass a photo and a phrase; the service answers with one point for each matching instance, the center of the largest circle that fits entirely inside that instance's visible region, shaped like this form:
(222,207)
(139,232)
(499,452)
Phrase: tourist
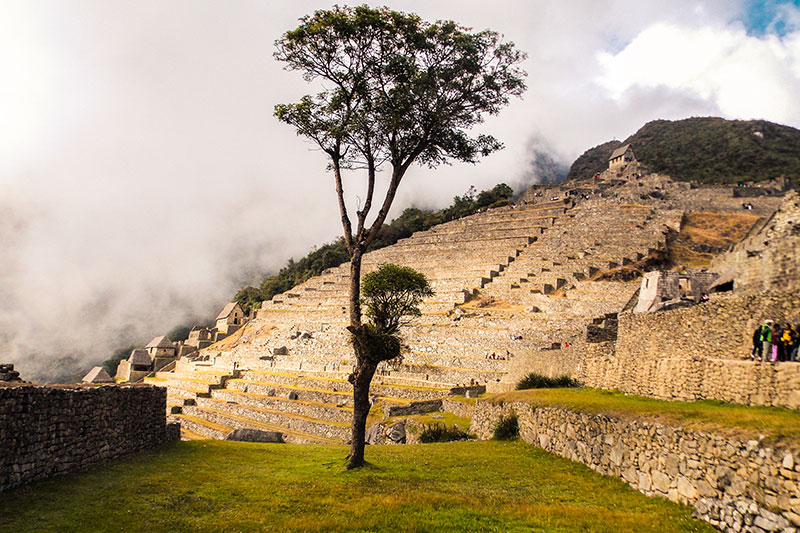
(774,341)
(766,340)
(796,343)
(787,343)
(755,353)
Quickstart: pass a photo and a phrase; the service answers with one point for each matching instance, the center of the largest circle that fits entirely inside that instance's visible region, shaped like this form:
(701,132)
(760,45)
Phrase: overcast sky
(143,177)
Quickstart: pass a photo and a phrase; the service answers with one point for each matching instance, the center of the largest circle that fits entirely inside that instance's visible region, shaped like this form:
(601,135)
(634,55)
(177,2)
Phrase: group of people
(775,342)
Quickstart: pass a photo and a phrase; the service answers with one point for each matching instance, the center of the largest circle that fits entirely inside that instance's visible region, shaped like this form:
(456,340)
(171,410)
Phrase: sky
(143,178)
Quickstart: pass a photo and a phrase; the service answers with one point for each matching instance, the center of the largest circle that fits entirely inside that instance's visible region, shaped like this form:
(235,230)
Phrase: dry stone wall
(701,352)
(736,485)
(768,260)
(54,430)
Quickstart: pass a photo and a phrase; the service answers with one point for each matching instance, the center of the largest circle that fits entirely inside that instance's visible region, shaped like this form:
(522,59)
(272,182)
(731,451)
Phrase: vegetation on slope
(704,235)
(227,486)
(592,161)
(334,254)
(706,149)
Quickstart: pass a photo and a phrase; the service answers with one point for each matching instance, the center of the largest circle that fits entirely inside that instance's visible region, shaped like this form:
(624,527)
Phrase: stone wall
(698,352)
(736,485)
(768,260)
(458,406)
(55,430)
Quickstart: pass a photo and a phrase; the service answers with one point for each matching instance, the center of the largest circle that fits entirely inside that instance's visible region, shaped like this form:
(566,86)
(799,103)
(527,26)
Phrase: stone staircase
(594,237)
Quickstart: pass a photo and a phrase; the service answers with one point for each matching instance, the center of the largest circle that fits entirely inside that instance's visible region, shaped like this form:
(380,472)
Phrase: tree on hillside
(396,90)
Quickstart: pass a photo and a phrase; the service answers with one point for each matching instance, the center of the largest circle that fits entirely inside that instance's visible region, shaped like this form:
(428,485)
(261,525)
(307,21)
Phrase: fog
(143,178)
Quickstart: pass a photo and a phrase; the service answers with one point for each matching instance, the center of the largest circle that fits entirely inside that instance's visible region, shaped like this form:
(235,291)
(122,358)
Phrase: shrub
(538,381)
(507,427)
(442,433)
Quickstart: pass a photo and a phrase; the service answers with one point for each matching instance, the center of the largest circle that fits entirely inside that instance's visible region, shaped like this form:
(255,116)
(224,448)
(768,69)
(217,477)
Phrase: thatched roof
(160,342)
(619,152)
(139,356)
(97,375)
(228,309)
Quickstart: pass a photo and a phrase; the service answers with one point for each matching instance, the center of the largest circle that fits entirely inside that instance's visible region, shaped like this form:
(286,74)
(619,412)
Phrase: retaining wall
(736,485)
(701,352)
(45,431)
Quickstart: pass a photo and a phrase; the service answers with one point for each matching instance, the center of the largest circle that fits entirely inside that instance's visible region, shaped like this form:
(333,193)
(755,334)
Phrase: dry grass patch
(704,235)
(490,303)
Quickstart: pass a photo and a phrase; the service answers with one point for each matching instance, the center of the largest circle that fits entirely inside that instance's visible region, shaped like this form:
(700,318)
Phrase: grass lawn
(225,486)
(775,424)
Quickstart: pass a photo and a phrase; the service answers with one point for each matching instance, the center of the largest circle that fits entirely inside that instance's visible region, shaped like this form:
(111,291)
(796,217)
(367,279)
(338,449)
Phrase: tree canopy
(391,293)
(401,90)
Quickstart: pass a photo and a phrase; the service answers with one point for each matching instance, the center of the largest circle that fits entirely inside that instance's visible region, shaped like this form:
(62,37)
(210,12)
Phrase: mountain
(705,149)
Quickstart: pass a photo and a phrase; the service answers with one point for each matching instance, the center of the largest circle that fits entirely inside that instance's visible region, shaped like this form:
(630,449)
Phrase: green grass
(773,423)
(538,381)
(225,486)
(448,419)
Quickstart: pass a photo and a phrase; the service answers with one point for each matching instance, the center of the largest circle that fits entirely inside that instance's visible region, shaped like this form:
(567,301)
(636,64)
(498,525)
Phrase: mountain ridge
(706,150)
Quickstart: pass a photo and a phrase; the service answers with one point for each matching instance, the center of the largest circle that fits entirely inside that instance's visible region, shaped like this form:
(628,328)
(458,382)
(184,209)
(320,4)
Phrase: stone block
(254,435)
(661,481)
(686,489)
(644,482)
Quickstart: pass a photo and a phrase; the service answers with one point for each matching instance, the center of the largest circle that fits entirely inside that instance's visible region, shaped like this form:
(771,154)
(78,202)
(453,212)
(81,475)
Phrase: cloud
(143,178)
(744,76)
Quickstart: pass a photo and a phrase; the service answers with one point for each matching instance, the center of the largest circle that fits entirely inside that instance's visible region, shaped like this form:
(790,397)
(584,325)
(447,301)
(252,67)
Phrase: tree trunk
(355,290)
(364,370)
(362,379)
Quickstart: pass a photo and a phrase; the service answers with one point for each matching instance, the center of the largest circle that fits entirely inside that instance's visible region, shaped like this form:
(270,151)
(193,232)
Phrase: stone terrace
(596,236)
(287,370)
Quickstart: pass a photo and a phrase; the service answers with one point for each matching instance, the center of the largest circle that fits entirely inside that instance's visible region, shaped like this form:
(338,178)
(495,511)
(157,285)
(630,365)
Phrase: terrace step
(235,420)
(325,411)
(199,425)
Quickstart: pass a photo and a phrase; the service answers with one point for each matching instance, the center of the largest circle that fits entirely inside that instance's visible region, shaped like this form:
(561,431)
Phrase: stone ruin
(522,288)
(8,374)
(161,353)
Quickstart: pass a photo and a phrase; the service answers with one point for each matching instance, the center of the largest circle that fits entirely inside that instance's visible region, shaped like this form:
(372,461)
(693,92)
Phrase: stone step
(275,389)
(198,387)
(445,374)
(187,434)
(388,386)
(199,425)
(436,238)
(310,408)
(179,395)
(232,421)
(514,227)
(484,249)
(236,415)
(481,362)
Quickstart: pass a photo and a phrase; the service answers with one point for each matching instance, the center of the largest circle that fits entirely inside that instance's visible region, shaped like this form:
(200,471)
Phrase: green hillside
(706,149)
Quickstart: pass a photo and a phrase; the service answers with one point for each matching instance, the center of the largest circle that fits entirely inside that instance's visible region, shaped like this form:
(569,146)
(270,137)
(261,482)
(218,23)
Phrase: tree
(396,91)
(390,294)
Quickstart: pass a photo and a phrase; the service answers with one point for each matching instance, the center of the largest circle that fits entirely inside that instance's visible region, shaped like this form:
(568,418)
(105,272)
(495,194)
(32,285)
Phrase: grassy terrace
(773,423)
(223,486)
